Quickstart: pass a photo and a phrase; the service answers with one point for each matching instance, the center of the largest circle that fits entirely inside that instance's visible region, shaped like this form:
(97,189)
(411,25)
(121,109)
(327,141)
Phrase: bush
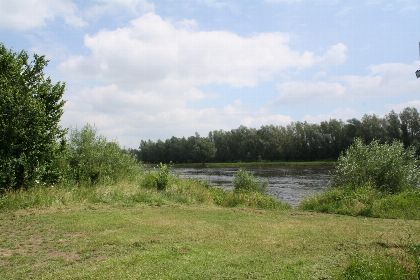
(157,179)
(92,159)
(389,168)
(245,181)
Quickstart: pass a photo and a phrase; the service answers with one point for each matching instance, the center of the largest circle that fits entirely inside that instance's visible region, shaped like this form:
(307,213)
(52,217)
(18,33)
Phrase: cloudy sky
(144,69)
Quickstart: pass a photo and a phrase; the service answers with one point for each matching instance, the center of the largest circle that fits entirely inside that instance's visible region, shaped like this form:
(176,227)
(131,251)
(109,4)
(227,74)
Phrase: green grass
(366,201)
(194,242)
(256,164)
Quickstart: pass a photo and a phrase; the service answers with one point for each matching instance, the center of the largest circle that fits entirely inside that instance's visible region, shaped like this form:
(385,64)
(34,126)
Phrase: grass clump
(378,267)
(374,180)
(244,181)
(366,201)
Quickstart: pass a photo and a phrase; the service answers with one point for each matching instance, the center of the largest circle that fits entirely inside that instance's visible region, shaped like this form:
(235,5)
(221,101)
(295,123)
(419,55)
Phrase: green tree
(30,110)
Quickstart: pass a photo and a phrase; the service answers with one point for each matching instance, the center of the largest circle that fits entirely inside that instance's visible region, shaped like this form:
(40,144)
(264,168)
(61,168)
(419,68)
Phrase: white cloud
(398,107)
(29,14)
(101,8)
(304,91)
(151,49)
(396,5)
(335,55)
(383,80)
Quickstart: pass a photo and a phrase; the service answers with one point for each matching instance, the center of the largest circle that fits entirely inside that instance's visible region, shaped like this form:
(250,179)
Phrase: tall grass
(178,191)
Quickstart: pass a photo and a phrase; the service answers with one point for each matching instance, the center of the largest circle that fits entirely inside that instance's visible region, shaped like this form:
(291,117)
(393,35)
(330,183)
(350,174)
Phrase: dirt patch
(6,252)
(67,256)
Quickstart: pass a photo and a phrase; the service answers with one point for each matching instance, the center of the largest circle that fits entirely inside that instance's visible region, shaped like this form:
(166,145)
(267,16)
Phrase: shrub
(162,178)
(387,167)
(245,181)
(92,159)
(157,179)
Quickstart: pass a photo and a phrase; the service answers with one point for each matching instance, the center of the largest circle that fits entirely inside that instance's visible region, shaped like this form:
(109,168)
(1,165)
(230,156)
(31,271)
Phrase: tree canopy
(31,106)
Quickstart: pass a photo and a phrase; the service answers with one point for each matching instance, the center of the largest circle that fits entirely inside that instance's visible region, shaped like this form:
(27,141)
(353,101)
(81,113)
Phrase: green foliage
(344,200)
(245,181)
(402,205)
(30,110)
(366,201)
(157,179)
(377,268)
(92,159)
(389,168)
(298,141)
(162,178)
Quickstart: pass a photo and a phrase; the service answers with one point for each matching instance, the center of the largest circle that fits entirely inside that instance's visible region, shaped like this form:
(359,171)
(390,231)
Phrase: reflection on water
(287,184)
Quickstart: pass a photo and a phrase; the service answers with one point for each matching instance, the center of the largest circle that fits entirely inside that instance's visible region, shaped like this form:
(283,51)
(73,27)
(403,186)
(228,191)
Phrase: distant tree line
(298,141)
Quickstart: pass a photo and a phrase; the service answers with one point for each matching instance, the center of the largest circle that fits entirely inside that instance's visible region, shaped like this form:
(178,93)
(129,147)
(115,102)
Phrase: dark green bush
(389,168)
(245,181)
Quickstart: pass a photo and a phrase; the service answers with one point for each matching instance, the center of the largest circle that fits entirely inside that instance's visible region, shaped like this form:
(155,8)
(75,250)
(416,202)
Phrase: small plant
(162,177)
(245,181)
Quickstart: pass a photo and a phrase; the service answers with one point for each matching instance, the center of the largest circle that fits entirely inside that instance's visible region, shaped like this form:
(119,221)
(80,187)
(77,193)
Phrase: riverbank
(259,164)
(199,242)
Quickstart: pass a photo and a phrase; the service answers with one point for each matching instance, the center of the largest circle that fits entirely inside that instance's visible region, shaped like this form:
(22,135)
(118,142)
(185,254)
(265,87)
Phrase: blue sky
(140,69)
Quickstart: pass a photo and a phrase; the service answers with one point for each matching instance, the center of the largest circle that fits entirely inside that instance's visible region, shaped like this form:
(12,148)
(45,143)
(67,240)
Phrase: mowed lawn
(191,242)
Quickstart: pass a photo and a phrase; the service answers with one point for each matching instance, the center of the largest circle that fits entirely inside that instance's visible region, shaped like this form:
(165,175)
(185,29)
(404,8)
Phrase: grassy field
(256,164)
(97,241)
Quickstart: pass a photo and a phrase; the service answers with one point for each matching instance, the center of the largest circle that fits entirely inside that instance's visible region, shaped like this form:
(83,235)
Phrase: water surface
(290,185)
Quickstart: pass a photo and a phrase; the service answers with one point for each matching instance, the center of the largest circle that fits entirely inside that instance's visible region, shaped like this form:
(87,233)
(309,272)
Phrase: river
(290,185)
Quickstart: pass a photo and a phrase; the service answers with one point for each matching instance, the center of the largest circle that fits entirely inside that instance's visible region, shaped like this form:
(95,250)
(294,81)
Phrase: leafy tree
(30,110)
